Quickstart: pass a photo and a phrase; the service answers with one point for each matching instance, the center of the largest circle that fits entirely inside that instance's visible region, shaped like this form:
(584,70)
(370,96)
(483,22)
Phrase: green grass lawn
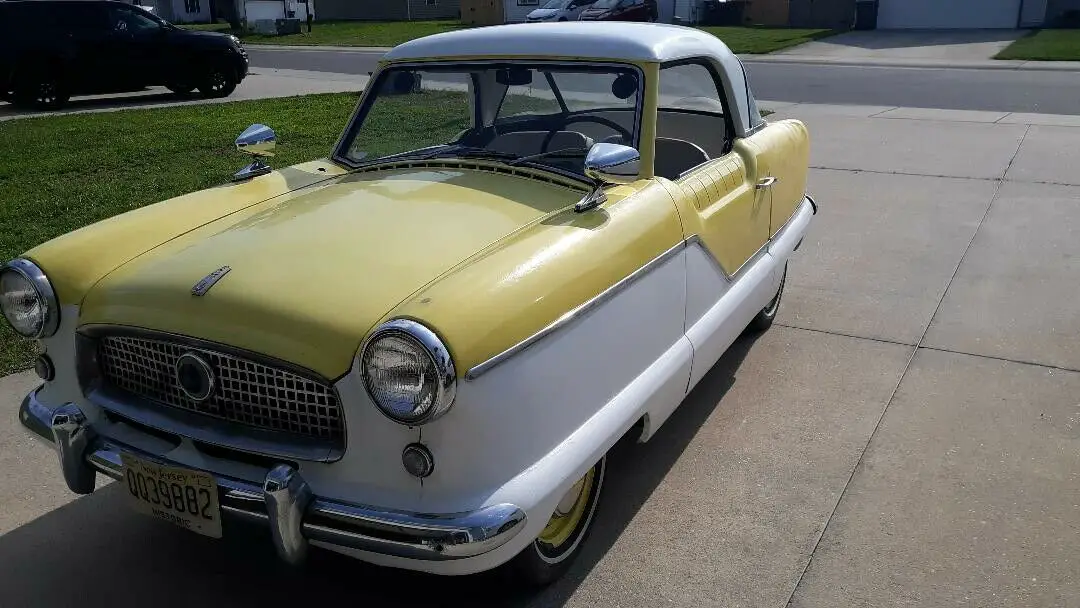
(378,33)
(1045,45)
(63,172)
(765,39)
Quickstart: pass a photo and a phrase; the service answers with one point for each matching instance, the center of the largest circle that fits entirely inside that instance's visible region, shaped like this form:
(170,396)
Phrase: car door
(723,178)
(139,45)
(79,33)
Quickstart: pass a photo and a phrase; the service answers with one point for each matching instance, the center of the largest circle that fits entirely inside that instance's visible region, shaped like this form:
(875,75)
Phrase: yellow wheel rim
(569,513)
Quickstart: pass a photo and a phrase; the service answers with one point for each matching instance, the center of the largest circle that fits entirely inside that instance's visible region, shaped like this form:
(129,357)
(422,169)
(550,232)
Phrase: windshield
(556,4)
(605,4)
(501,112)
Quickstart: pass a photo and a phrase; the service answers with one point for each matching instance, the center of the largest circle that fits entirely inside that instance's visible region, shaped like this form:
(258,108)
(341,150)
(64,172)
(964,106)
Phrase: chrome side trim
(568,318)
(574,314)
(283,501)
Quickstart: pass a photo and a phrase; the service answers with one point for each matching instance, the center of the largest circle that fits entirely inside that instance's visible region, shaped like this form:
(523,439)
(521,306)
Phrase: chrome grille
(247,392)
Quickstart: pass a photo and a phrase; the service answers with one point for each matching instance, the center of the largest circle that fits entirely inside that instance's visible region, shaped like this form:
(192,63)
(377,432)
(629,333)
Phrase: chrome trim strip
(568,318)
(420,536)
(574,314)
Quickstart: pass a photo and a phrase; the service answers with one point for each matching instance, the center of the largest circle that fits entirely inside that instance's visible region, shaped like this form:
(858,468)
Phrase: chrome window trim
(339,152)
(438,352)
(36,276)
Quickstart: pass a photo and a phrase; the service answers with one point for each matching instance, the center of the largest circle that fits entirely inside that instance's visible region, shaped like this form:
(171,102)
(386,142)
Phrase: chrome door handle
(767,182)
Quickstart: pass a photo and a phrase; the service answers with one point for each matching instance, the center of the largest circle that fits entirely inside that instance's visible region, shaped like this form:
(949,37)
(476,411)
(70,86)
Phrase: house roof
(578,39)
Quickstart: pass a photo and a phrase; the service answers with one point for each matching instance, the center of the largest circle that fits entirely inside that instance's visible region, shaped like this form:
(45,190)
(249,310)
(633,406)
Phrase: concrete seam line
(844,335)
(1003,359)
(903,374)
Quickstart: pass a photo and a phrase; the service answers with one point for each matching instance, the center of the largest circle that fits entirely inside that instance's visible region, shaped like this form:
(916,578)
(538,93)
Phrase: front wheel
(765,318)
(549,556)
(218,82)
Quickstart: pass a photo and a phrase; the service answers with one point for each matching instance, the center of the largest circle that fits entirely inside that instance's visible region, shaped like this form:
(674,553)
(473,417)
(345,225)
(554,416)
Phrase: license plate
(183,497)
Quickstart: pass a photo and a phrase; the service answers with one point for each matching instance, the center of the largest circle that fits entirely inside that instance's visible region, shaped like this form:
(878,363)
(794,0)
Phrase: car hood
(543,13)
(311,275)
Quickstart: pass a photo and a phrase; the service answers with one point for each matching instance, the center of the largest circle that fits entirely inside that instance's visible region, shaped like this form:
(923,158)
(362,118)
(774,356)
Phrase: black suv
(53,49)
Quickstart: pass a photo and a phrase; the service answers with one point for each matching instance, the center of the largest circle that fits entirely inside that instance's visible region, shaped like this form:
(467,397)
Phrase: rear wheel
(550,555)
(41,89)
(218,82)
(765,318)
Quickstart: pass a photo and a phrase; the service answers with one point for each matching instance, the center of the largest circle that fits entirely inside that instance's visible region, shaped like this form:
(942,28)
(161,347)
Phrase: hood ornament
(208,281)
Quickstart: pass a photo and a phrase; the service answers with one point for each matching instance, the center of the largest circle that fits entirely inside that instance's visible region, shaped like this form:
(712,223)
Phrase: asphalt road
(955,89)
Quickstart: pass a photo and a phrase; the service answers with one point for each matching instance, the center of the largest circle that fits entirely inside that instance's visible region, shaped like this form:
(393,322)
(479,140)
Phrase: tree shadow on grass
(94,550)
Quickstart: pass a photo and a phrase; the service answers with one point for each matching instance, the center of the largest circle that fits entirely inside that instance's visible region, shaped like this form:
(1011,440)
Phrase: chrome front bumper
(284,501)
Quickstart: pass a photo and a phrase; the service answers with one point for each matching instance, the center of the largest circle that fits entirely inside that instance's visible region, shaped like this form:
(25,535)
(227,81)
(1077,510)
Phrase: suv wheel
(218,82)
(41,90)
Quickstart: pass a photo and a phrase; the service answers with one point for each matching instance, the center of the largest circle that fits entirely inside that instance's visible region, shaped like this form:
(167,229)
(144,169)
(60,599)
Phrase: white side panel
(511,418)
(722,323)
(705,283)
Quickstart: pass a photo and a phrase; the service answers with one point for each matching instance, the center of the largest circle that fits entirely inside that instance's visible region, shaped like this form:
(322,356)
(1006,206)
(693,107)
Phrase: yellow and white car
(529,241)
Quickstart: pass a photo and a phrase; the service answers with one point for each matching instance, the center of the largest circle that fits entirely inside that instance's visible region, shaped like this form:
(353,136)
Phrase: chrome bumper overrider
(284,501)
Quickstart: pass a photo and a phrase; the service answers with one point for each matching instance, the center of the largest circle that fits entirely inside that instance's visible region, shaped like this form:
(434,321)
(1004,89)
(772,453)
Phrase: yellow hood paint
(78,259)
(312,273)
(534,277)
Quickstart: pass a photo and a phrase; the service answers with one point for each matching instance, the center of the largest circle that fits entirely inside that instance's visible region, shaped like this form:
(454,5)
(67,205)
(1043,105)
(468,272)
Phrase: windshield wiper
(447,150)
(561,152)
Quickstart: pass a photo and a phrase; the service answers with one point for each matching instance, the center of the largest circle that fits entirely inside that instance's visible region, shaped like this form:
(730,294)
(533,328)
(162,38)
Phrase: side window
(123,20)
(76,17)
(692,108)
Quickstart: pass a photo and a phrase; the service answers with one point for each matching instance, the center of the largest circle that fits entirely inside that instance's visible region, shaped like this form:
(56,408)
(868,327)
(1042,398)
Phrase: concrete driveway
(951,45)
(908,434)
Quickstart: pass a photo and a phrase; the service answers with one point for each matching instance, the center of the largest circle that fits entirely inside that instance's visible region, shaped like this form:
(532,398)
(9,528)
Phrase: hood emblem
(208,281)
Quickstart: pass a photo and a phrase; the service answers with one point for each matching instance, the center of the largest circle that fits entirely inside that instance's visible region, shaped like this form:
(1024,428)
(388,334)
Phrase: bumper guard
(285,501)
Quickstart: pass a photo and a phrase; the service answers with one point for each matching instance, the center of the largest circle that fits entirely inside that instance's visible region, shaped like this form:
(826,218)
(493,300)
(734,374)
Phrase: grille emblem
(195,377)
(209,280)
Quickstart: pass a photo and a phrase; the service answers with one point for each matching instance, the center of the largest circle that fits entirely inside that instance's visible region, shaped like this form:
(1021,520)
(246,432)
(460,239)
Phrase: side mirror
(258,141)
(608,163)
(605,164)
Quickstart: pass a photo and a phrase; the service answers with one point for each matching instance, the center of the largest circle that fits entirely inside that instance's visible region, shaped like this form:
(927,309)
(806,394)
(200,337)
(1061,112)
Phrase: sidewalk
(787,57)
(970,64)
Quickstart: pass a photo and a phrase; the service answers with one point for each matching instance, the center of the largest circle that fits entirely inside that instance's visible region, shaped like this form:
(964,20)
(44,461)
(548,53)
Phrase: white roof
(578,39)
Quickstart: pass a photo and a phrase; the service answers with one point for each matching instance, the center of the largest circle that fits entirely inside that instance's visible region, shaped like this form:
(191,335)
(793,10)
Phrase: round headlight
(27,300)
(408,372)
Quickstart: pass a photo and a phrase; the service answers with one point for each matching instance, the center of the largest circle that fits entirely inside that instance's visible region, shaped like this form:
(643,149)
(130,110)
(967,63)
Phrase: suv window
(126,20)
(78,17)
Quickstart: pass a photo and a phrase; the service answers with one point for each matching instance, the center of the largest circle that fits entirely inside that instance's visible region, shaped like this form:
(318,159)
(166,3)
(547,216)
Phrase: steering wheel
(625,133)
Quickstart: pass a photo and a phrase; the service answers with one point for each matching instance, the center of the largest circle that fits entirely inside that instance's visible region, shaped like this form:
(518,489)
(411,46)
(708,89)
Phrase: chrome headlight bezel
(427,342)
(50,306)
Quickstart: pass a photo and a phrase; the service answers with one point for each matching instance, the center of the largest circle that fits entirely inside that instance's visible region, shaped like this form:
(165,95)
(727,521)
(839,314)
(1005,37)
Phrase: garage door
(951,14)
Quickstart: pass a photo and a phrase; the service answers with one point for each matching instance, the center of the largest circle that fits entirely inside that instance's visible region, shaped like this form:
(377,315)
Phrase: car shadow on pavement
(146,98)
(94,551)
